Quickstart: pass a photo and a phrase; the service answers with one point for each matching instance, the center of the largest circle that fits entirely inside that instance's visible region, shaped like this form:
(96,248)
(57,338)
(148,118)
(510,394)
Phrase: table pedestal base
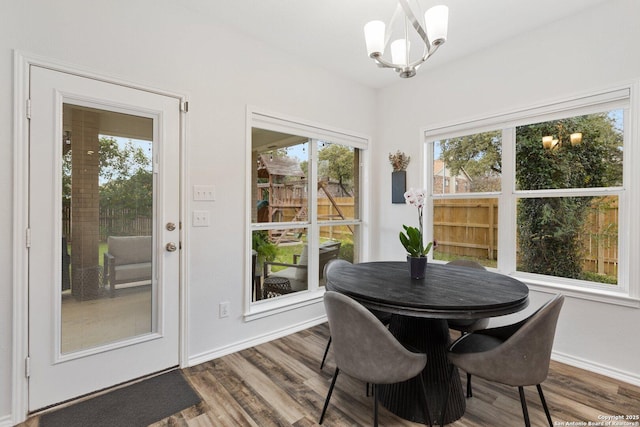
(430,336)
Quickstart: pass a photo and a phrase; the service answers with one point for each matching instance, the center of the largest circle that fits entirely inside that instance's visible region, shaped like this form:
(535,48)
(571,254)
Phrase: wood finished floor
(280,384)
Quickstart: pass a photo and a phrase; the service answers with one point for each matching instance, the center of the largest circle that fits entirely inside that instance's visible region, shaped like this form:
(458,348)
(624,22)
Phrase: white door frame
(20,264)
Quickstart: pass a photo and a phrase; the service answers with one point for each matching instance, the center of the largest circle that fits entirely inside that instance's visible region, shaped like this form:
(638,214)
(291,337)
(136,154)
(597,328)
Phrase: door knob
(171,247)
(171,226)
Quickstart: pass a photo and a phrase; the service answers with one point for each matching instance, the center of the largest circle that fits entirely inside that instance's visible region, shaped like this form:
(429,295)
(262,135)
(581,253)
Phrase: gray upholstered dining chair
(383,317)
(365,349)
(517,355)
(464,326)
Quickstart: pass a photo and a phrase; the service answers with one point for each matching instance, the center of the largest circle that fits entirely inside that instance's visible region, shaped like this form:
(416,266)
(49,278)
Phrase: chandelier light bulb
(576,138)
(436,20)
(399,51)
(374,37)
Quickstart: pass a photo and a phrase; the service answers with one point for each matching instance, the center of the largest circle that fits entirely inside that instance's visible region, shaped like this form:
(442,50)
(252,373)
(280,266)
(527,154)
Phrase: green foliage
(479,155)
(336,162)
(549,234)
(126,179)
(133,194)
(600,278)
(263,246)
(550,229)
(412,242)
(346,250)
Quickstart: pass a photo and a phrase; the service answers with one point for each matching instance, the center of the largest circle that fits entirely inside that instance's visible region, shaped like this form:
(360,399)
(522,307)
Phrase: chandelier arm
(414,21)
(422,60)
(384,63)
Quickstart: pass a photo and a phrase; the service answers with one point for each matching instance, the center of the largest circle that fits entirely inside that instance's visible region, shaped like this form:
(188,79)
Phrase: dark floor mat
(139,404)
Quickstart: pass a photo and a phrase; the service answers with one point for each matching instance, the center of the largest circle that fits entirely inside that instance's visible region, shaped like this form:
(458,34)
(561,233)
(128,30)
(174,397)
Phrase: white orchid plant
(412,237)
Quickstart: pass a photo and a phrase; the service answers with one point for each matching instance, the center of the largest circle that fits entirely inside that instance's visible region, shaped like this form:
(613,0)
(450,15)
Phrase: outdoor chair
(296,272)
(364,349)
(516,355)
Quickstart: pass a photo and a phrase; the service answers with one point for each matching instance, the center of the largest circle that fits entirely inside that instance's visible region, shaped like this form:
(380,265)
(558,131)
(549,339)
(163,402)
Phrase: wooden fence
(113,222)
(466,227)
(462,228)
(469,228)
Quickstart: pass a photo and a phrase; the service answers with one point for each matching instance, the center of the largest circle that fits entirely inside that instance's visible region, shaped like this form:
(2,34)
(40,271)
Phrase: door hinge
(27,367)
(28,107)
(27,237)
(184,106)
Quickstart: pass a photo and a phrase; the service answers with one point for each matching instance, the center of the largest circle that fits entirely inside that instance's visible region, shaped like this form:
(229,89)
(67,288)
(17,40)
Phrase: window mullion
(507,226)
(313,236)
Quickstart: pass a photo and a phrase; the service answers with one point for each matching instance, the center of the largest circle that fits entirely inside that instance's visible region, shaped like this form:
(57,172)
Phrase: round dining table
(421,308)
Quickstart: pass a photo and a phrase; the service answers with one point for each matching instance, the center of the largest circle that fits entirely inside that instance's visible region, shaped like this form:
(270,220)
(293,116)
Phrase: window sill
(273,306)
(592,294)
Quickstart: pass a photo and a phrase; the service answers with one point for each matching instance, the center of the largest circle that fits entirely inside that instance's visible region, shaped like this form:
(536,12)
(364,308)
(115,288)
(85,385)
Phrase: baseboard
(6,421)
(597,368)
(252,342)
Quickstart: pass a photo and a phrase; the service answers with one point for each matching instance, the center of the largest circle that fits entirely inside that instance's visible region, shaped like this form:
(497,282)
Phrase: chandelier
(433,34)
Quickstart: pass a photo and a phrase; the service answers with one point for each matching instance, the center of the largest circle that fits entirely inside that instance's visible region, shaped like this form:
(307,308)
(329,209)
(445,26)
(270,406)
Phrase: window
(538,193)
(305,206)
(465,215)
(566,230)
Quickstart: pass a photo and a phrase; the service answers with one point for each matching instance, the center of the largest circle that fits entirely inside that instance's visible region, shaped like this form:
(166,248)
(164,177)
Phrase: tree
(479,155)
(550,228)
(336,162)
(125,178)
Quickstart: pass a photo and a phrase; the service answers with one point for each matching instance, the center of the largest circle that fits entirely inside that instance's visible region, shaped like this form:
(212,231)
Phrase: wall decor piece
(399,161)
(398,186)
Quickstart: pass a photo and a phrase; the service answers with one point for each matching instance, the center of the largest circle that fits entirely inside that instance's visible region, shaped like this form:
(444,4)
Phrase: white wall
(165,45)
(590,51)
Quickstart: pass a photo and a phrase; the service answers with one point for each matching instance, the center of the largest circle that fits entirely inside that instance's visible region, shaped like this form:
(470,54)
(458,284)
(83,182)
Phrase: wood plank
(280,384)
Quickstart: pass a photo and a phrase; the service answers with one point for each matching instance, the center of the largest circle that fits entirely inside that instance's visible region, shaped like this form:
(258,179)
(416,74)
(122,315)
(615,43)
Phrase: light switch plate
(204,192)
(200,218)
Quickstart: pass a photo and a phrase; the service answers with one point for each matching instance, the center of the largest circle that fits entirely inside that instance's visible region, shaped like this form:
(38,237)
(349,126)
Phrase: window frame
(315,132)
(624,97)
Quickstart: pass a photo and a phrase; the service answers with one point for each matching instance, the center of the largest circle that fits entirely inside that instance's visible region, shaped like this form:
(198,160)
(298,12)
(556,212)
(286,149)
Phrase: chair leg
(326,350)
(326,402)
(374,392)
(427,413)
(446,396)
(469,391)
(544,405)
(523,401)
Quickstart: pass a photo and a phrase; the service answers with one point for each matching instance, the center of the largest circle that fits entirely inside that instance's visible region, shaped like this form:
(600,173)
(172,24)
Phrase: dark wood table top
(446,292)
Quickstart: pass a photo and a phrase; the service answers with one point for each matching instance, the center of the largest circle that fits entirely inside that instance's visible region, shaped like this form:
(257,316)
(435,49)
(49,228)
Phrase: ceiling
(329,33)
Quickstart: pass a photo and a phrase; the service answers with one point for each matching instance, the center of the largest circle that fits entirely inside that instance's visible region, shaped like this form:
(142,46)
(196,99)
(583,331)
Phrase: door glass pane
(107,226)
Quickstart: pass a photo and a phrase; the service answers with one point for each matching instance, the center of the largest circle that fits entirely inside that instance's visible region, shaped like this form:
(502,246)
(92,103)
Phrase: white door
(104,164)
